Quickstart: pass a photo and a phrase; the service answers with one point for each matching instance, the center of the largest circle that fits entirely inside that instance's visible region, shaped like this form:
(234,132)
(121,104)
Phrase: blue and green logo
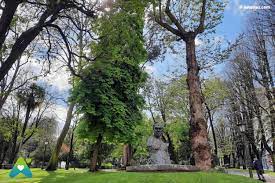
(20,167)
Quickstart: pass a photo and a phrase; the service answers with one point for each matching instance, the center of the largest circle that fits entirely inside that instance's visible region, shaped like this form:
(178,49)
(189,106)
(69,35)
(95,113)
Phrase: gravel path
(269,178)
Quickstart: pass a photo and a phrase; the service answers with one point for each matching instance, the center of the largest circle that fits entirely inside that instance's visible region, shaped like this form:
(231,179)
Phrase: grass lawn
(82,176)
(270,173)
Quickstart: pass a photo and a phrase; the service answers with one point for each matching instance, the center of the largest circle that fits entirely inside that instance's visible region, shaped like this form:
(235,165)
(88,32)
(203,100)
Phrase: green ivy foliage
(108,97)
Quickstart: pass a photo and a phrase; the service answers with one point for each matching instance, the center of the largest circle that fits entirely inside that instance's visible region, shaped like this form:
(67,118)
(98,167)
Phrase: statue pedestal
(162,168)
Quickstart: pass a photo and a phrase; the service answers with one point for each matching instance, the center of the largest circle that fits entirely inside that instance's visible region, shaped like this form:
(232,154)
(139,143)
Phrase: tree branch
(201,26)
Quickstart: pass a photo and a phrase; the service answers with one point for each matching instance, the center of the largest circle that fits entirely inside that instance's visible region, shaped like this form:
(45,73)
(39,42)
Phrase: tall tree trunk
(18,48)
(6,19)
(5,94)
(54,157)
(4,150)
(70,152)
(94,157)
(212,129)
(27,118)
(127,154)
(171,149)
(27,37)
(268,84)
(14,144)
(198,131)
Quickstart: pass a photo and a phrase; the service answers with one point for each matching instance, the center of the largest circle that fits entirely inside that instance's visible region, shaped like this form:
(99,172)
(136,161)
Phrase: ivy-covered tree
(108,96)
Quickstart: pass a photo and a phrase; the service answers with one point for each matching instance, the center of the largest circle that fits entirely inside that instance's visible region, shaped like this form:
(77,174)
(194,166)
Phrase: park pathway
(269,178)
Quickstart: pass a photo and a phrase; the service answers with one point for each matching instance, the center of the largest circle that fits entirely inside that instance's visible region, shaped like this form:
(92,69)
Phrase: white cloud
(198,42)
(234,6)
(150,69)
(59,112)
(59,79)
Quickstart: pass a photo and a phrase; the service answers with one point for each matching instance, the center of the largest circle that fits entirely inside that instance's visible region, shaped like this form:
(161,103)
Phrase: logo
(20,167)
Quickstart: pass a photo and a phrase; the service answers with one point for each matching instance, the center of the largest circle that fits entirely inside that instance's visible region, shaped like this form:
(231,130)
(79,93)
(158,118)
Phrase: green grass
(254,171)
(270,173)
(82,176)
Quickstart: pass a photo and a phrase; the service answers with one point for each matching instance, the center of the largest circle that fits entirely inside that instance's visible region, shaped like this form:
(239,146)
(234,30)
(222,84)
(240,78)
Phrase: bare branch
(173,18)
(201,26)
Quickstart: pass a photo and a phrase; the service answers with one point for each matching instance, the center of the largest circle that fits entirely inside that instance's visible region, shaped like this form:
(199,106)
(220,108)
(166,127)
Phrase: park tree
(48,15)
(30,98)
(81,37)
(259,42)
(142,132)
(187,20)
(37,147)
(108,97)
(27,110)
(20,74)
(167,103)
(158,102)
(214,94)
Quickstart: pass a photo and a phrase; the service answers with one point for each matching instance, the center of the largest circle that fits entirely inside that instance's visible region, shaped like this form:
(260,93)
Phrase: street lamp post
(46,143)
(247,155)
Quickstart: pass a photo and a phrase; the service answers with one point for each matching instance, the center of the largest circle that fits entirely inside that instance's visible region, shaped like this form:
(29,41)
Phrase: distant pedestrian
(259,169)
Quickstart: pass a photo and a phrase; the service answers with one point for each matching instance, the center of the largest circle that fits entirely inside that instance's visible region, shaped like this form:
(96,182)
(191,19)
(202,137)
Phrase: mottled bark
(198,124)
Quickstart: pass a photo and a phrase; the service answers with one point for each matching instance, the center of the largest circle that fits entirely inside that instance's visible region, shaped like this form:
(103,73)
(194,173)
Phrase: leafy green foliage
(215,93)
(6,128)
(108,97)
(31,97)
(168,102)
(141,134)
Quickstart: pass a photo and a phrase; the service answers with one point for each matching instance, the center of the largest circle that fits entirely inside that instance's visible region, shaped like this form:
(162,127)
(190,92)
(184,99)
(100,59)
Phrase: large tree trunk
(54,157)
(27,37)
(94,157)
(198,124)
(6,18)
(127,154)
(5,94)
(18,48)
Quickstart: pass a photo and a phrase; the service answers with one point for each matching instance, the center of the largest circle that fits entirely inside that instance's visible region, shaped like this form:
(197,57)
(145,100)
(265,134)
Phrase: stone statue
(158,149)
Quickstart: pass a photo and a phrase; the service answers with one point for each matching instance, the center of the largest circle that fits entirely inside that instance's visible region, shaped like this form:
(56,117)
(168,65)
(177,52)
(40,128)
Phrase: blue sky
(232,25)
